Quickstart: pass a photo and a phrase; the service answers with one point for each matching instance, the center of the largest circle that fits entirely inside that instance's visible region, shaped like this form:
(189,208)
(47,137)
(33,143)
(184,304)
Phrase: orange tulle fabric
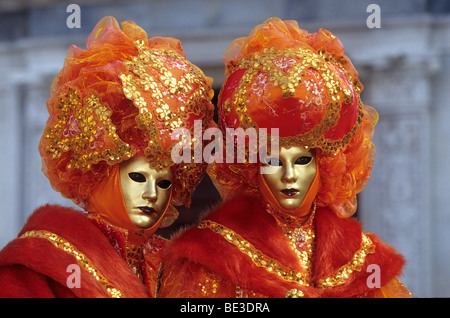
(281,76)
(99,115)
(394,289)
(106,200)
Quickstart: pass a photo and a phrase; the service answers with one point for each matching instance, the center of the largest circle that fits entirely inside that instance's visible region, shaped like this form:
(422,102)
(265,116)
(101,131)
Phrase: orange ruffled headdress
(123,96)
(281,76)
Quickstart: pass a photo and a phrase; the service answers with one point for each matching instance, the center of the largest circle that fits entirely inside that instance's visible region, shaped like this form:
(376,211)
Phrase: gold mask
(292,174)
(146,191)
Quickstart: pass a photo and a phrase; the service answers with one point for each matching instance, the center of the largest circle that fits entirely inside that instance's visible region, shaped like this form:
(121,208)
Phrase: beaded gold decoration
(302,242)
(285,69)
(294,293)
(82,260)
(83,127)
(153,86)
(209,285)
(301,236)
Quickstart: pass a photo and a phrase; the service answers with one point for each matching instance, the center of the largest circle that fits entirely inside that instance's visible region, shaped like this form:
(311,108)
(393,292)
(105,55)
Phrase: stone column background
(404,66)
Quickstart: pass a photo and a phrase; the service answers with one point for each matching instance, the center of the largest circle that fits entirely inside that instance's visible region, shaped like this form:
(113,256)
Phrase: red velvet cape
(337,240)
(34,267)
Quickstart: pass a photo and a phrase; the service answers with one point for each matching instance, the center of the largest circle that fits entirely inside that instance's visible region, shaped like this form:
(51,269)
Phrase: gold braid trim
(261,260)
(343,274)
(257,257)
(87,264)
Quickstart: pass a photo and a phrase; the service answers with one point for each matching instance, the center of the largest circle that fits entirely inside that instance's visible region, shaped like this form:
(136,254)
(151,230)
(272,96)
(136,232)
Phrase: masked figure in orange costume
(284,228)
(107,146)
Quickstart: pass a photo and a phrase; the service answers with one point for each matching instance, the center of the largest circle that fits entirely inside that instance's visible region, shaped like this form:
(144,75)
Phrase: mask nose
(150,194)
(289,175)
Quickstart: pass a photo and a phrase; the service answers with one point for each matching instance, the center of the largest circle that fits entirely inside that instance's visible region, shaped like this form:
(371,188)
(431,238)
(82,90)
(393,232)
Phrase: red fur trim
(337,240)
(42,257)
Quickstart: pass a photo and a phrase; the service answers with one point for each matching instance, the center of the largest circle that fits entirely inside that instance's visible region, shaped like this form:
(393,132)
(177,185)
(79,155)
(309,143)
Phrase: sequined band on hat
(331,94)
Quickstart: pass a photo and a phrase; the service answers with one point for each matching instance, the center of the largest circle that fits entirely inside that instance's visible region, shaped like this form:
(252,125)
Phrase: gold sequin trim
(261,260)
(87,265)
(302,242)
(343,274)
(84,127)
(257,257)
(152,85)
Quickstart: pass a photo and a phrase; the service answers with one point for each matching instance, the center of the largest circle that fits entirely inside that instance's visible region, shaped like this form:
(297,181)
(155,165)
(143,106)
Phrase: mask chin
(149,231)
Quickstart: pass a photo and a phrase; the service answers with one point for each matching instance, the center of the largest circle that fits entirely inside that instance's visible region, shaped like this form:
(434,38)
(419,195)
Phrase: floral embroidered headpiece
(282,77)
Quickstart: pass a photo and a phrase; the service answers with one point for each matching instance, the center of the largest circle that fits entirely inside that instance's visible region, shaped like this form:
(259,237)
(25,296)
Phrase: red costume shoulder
(337,242)
(53,238)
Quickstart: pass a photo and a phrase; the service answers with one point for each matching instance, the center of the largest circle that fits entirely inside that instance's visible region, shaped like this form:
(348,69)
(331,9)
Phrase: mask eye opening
(137,177)
(164,184)
(275,162)
(303,160)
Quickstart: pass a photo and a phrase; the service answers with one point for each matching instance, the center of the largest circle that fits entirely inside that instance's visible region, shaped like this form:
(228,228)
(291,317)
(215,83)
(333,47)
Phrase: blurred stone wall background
(404,66)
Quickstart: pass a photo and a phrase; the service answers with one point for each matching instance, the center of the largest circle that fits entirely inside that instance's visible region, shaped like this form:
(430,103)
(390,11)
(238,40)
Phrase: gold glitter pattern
(285,69)
(302,242)
(301,236)
(153,86)
(343,274)
(144,260)
(84,128)
(294,293)
(85,263)
(208,286)
(135,259)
